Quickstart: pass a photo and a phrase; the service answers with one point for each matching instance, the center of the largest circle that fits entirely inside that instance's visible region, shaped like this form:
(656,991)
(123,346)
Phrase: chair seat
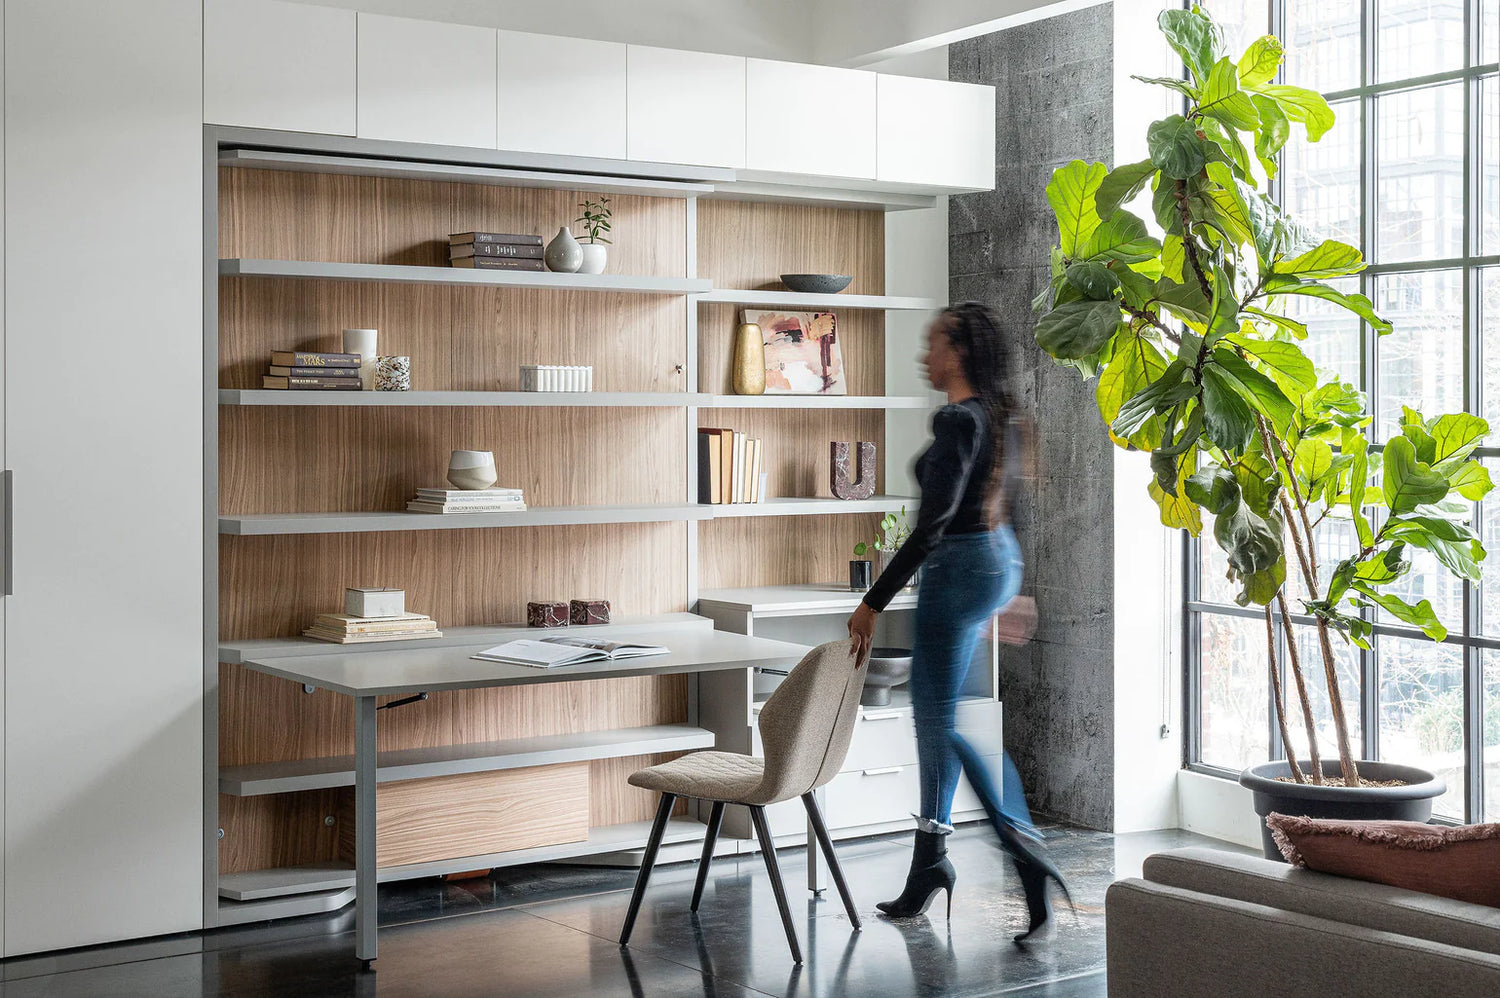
(726,776)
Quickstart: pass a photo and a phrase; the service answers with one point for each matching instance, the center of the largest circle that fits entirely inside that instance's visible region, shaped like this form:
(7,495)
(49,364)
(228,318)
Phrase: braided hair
(985,357)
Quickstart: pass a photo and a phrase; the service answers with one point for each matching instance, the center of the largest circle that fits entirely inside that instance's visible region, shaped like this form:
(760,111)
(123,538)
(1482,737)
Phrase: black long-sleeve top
(953,475)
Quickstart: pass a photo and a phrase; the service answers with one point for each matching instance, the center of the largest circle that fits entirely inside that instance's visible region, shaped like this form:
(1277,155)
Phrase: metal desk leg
(366,906)
(817,877)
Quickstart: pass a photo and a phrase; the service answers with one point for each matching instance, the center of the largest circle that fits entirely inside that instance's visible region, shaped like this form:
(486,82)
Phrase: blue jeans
(965,581)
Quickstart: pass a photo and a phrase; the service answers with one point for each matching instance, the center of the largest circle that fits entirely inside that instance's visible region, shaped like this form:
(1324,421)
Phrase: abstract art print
(802,352)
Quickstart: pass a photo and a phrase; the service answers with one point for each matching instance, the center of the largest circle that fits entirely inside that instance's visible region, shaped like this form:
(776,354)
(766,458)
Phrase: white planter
(595,256)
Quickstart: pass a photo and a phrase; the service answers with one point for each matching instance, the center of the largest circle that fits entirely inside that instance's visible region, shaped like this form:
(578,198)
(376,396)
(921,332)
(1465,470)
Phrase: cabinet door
(934,133)
(269,64)
(685,107)
(809,119)
(426,81)
(561,95)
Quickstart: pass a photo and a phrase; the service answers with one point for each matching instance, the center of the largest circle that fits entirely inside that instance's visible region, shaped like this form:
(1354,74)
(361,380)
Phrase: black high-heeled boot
(930,872)
(1038,907)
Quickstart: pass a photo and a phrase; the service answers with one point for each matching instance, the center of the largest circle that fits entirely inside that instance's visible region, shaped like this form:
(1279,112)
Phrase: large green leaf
(1285,322)
(1228,203)
(1471,480)
(1287,365)
(1274,130)
(1177,511)
(1255,388)
(1121,185)
(1251,542)
(1173,257)
(1078,328)
(1121,237)
(1301,104)
(1176,149)
(1181,86)
(1094,280)
(1356,303)
(1421,614)
(1223,314)
(1194,37)
(1135,364)
(1227,417)
(1456,434)
(1358,475)
(1214,488)
(1185,300)
(1071,194)
(1330,258)
(1312,461)
(1172,387)
(1408,483)
(1261,60)
(1226,141)
(1223,99)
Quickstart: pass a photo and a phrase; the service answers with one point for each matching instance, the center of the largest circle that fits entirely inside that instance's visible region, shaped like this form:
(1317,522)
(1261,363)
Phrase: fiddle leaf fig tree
(1197,362)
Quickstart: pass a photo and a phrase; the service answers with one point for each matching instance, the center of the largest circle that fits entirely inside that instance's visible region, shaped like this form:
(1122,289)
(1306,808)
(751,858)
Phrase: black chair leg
(715,818)
(653,844)
(815,816)
(768,849)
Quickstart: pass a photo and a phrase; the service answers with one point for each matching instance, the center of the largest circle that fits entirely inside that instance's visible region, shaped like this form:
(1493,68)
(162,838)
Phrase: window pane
(1346,661)
(1234,693)
(1243,21)
(1426,579)
(1489,325)
(1420,363)
(1335,542)
(1489,166)
(1213,564)
(1333,332)
(1418,37)
(1322,41)
(1489,536)
(1322,178)
(1491,736)
(1489,31)
(1421,712)
(1419,174)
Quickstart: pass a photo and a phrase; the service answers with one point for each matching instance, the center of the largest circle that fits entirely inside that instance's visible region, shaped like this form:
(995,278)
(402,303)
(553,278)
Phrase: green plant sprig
(595,217)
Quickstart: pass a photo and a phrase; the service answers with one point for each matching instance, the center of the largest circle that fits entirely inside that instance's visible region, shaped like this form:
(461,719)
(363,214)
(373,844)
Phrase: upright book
(708,465)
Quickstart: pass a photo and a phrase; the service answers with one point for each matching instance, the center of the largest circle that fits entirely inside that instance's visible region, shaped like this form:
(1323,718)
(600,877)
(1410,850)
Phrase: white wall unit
(814,120)
(271,64)
(561,95)
(935,133)
(104,675)
(425,81)
(685,107)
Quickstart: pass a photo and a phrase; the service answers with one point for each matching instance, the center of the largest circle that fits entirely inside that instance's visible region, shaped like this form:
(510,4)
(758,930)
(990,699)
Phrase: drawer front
(878,795)
(886,737)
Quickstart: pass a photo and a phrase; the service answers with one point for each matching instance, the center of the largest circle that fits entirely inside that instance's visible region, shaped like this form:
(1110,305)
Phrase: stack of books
(347,629)
(299,370)
(467,501)
(729,467)
(495,251)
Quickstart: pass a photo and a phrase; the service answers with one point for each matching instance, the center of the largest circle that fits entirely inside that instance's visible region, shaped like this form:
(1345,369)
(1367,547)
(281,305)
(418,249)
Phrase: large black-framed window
(1411,174)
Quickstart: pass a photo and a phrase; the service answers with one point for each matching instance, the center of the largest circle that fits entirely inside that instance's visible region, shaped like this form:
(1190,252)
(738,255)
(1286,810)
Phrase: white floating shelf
(262,524)
(478,757)
(395,274)
(816,402)
(642,400)
(822,303)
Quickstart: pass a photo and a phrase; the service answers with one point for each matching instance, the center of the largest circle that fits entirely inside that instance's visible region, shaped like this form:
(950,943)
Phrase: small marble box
(588,611)
(377,602)
(546,614)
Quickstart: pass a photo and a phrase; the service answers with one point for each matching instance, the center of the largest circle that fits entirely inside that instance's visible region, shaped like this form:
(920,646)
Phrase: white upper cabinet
(269,64)
(935,133)
(426,81)
(561,95)
(809,119)
(685,107)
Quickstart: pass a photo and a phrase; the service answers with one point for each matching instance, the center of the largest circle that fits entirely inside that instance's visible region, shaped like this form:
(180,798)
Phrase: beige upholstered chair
(805,729)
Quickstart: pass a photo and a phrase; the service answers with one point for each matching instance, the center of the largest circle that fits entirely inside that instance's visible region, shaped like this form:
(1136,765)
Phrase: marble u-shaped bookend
(844,486)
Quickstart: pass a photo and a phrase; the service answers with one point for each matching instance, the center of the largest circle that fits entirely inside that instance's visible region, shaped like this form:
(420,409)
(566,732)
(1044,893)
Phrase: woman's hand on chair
(861,633)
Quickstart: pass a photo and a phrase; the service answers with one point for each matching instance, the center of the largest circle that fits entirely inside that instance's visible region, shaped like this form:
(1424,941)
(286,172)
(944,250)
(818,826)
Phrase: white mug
(362,342)
(472,469)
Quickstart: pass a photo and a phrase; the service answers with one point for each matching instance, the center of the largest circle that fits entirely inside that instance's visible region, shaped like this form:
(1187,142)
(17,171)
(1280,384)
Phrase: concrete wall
(1054,104)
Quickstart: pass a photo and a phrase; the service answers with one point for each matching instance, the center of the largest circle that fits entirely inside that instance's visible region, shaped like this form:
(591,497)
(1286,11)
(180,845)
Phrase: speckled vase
(564,255)
(749,360)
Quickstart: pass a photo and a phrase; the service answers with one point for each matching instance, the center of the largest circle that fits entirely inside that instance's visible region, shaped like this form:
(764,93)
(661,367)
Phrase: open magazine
(550,652)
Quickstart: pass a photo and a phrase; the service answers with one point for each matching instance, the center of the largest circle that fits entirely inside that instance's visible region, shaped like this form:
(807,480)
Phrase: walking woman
(972,570)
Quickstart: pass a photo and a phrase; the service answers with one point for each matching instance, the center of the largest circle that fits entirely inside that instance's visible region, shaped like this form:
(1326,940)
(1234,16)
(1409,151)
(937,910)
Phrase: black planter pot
(860,576)
(1412,802)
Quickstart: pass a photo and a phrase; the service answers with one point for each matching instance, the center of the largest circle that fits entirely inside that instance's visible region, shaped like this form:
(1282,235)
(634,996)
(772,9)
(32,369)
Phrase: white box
(379,602)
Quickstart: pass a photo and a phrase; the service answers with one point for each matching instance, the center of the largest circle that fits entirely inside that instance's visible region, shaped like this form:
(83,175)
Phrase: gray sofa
(1211,923)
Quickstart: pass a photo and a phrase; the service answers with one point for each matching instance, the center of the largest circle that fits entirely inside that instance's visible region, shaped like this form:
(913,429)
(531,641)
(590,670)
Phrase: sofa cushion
(1462,863)
(1262,881)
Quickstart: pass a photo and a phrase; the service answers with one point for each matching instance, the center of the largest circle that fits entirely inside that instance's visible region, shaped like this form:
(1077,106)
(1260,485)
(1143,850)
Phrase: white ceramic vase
(362,342)
(595,256)
(471,469)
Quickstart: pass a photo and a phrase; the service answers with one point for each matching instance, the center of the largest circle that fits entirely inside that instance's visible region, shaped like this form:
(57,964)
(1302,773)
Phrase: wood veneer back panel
(749,244)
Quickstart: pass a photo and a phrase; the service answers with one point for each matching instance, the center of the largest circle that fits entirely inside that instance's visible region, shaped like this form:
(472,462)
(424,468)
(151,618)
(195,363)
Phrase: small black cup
(860,576)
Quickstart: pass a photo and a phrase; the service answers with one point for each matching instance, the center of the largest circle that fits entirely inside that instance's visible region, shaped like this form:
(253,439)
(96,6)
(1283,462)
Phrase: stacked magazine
(551,652)
(467,501)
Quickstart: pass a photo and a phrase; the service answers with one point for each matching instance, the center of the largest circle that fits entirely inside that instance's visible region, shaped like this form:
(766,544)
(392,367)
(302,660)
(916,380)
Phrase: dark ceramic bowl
(887,667)
(816,284)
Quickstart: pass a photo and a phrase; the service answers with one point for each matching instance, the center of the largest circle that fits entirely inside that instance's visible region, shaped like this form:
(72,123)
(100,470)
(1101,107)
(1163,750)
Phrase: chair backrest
(806,724)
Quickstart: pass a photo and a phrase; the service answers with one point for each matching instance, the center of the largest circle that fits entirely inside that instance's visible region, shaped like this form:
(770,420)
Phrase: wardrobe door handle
(884,715)
(887,771)
(10,562)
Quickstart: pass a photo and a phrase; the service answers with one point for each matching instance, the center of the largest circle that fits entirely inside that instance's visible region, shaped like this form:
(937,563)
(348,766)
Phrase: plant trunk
(1286,735)
(1313,756)
(1336,704)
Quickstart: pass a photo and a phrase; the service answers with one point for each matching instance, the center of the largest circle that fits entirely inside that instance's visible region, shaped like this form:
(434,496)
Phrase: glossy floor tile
(548,931)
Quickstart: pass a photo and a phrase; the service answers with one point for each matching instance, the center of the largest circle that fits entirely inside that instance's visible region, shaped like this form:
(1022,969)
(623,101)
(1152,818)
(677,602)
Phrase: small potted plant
(894,530)
(860,577)
(594,216)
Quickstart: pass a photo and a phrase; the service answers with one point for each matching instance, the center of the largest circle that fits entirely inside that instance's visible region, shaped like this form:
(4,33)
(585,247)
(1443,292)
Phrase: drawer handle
(886,771)
(884,715)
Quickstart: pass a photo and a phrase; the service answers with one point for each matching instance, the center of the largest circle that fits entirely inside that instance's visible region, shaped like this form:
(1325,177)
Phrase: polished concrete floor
(548,931)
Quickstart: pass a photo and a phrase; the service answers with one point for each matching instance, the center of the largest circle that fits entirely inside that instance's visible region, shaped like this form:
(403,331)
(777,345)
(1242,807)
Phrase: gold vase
(749,360)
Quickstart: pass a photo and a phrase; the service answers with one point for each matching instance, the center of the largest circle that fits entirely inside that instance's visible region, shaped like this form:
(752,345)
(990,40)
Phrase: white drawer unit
(425,81)
(561,95)
(809,120)
(935,133)
(685,107)
(271,64)
(883,794)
